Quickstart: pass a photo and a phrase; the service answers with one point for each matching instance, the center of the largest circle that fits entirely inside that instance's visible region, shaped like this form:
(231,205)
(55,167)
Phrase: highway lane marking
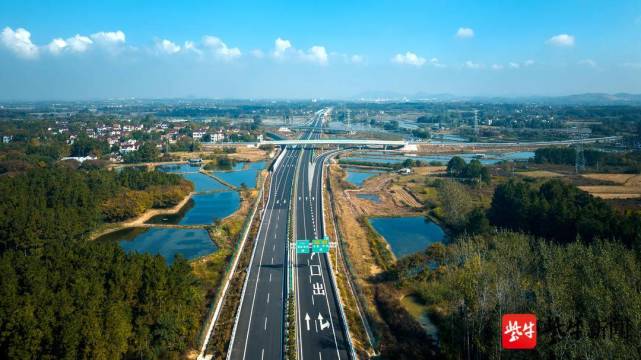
(272,260)
(329,310)
(251,312)
(270,277)
(265,323)
(268,298)
(262,354)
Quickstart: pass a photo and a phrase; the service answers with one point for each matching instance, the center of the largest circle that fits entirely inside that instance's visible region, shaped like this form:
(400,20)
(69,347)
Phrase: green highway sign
(302,246)
(320,245)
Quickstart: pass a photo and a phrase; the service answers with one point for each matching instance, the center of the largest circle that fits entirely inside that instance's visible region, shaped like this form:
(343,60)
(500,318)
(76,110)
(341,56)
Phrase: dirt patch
(243,153)
(621,179)
(356,244)
(628,186)
(140,220)
(540,174)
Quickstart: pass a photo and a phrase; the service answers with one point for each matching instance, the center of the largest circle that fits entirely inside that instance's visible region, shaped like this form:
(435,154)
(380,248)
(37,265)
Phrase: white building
(197,135)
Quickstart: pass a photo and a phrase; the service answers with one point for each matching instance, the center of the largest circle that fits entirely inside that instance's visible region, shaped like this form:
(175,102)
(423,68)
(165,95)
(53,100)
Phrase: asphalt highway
(259,329)
(258,332)
(322,333)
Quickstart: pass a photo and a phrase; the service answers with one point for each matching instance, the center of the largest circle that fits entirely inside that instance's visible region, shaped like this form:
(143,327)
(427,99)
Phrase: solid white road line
(251,312)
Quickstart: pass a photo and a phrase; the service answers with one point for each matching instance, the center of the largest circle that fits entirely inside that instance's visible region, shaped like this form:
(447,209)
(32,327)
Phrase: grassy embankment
(226,233)
(230,232)
(369,255)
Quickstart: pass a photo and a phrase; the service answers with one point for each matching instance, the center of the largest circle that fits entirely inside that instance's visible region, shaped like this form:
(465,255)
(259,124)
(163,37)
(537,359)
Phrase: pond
(237,177)
(178,168)
(202,209)
(407,235)
(371,197)
(204,183)
(190,243)
(357,177)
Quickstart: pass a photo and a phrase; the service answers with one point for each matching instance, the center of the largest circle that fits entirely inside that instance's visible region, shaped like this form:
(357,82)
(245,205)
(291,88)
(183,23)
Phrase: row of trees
(600,160)
(472,171)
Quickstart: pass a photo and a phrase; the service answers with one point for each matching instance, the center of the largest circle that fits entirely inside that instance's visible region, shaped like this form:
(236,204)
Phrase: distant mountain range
(577,99)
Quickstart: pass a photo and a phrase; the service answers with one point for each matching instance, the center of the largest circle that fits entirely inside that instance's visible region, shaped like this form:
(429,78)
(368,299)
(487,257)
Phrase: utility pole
(579,163)
(476,122)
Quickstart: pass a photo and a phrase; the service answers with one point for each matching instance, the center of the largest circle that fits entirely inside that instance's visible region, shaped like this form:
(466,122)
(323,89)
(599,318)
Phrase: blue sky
(335,49)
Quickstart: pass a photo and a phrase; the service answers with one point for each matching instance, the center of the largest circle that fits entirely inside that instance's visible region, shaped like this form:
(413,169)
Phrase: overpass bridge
(402,143)
(351,142)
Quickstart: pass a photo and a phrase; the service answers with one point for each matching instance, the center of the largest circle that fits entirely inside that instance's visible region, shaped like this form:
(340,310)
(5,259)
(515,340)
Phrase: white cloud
(514,65)
(465,33)
(561,40)
(283,49)
(109,37)
(56,46)
(436,63)
(191,46)
(19,41)
(281,46)
(167,47)
(497,67)
(220,48)
(588,62)
(316,54)
(529,62)
(78,43)
(472,65)
(409,58)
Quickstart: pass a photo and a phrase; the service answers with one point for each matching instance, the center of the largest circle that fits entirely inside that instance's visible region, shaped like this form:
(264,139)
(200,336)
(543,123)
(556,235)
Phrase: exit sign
(302,246)
(320,245)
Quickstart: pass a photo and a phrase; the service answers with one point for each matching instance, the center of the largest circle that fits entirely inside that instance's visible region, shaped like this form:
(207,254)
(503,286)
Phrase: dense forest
(62,296)
(561,212)
(629,162)
(546,248)
(586,297)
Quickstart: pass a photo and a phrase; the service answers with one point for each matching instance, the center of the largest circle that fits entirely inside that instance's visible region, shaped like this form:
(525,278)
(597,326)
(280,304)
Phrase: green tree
(455,166)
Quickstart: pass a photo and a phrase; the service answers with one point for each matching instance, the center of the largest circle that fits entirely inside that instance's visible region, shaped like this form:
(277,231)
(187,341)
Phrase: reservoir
(240,176)
(407,235)
(202,209)
(190,243)
(358,176)
(370,197)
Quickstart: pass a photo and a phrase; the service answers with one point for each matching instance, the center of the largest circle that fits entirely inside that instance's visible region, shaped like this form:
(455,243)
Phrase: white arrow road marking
(311,257)
(322,325)
(307,318)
